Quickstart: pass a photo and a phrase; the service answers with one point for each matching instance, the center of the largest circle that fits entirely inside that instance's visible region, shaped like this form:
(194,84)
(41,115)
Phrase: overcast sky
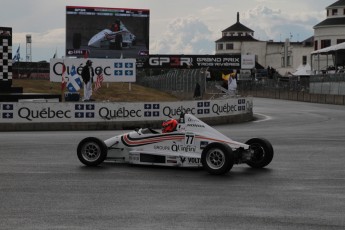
(176,27)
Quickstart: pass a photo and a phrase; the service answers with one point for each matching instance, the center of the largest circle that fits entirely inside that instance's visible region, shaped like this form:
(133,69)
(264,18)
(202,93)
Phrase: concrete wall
(297,96)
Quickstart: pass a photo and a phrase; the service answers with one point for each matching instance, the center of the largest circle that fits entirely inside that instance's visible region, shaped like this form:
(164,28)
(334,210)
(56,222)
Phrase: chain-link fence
(333,84)
(193,83)
(184,83)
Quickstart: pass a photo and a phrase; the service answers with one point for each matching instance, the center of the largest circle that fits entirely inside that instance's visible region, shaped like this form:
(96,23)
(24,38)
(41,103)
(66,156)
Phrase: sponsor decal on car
(190,160)
(183,148)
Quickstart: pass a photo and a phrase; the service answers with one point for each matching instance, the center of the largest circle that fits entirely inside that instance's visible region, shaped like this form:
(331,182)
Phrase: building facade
(285,56)
(329,32)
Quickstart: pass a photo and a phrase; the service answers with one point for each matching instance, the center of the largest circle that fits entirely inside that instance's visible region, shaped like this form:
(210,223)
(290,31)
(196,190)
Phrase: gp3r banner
(113,70)
(198,61)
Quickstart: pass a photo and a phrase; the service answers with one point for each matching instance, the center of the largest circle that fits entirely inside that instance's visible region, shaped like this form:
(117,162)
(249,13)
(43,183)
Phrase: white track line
(266,118)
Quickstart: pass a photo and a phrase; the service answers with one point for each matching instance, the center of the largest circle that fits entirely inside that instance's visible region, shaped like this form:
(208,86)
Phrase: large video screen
(98,32)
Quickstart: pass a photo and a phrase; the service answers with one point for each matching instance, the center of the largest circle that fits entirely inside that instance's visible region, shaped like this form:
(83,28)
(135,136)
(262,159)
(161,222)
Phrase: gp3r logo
(170,61)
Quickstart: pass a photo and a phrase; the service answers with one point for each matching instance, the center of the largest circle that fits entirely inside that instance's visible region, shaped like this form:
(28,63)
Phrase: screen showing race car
(99,32)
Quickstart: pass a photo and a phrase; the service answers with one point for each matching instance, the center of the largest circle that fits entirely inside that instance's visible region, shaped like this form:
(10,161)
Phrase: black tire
(92,151)
(263,152)
(217,158)
(76,40)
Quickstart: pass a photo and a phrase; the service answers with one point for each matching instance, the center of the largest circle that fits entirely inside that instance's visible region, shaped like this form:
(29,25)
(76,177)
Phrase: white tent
(338,55)
(331,49)
(303,70)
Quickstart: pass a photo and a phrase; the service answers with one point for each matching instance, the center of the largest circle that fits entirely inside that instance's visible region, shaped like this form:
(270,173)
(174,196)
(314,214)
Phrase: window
(325,43)
(340,41)
(288,61)
(229,46)
(304,60)
(335,12)
(220,47)
(316,45)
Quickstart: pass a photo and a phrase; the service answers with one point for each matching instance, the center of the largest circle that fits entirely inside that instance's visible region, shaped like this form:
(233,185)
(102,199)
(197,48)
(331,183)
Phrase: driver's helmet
(169,126)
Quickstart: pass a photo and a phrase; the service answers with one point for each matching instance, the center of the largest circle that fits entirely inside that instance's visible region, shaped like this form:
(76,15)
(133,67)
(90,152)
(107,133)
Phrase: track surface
(44,186)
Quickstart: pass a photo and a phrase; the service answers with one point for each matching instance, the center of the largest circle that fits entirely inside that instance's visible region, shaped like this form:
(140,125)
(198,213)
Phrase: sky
(176,27)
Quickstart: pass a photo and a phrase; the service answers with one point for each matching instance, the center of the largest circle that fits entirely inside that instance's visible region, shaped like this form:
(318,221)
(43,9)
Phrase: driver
(169,126)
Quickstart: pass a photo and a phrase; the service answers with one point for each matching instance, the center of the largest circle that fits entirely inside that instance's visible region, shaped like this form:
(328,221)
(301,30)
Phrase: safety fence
(193,83)
(185,83)
(333,84)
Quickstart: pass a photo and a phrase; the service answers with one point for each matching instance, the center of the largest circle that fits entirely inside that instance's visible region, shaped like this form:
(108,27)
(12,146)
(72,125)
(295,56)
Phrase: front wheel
(262,152)
(92,151)
(217,158)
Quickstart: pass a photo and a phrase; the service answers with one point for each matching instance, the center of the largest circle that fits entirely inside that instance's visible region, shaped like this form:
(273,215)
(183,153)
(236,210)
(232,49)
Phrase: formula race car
(117,38)
(186,142)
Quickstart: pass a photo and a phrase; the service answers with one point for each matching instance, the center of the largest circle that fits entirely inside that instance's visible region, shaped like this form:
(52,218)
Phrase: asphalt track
(43,185)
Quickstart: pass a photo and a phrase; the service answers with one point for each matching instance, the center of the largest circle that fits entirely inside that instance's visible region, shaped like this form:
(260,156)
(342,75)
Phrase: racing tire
(217,158)
(263,152)
(92,151)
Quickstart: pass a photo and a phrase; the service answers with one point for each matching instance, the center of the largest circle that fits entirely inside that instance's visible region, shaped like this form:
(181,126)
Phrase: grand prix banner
(112,70)
(198,61)
(38,112)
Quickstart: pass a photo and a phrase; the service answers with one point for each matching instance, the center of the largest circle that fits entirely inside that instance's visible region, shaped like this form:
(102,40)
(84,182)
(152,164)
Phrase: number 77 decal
(189,139)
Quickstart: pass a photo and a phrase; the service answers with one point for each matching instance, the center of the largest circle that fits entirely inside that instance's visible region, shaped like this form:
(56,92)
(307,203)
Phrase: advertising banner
(198,61)
(113,70)
(192,61)
(247,61)
(34,112)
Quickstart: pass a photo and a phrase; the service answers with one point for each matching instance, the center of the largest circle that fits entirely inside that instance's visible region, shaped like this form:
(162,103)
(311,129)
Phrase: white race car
(121,38)
(192,143)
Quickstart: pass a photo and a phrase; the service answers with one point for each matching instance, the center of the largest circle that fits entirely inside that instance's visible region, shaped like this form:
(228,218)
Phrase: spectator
(87,76)
(232,84)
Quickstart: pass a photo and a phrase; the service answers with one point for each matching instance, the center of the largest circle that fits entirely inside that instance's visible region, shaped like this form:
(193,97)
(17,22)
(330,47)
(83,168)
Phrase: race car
(117,38)
(185,142)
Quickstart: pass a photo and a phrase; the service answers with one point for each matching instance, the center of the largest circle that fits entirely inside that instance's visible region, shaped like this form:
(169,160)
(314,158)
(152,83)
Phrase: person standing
(87,76)
(232,84)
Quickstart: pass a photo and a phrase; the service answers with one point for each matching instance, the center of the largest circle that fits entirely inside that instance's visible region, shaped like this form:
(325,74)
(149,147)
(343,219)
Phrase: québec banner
(36,112)
(113,70)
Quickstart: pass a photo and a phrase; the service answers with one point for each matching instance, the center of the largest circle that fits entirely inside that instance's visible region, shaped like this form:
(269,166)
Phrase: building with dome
(330,32)
(286,56)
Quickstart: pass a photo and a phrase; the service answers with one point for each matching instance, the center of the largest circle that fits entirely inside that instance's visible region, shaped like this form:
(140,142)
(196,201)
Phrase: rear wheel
(262,152)
(217,158)
(92,151)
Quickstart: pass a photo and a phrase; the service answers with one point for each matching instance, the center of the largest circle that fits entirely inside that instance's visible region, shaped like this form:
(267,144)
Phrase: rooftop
(337,4)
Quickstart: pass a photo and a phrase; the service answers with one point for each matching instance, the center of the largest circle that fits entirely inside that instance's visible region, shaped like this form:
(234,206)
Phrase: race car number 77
(189,139)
